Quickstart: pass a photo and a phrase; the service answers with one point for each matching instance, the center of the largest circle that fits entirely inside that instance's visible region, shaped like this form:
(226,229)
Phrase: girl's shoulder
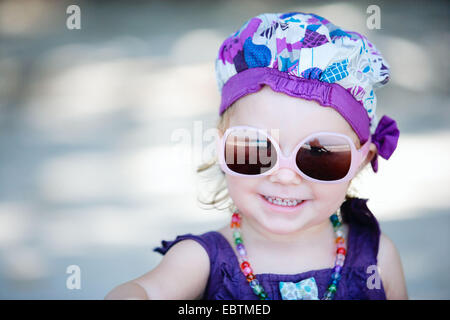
(222,261)
(391,269)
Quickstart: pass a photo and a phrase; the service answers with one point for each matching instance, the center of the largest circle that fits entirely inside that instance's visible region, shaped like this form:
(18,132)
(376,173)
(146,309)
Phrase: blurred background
(98,132)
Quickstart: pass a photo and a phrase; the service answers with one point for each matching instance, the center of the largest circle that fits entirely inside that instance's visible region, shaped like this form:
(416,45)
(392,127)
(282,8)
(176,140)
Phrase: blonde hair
(218,198)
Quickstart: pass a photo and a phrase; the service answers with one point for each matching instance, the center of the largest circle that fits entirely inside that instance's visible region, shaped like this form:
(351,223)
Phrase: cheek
(242,190)
(330,196)
(238,186)
(327,198)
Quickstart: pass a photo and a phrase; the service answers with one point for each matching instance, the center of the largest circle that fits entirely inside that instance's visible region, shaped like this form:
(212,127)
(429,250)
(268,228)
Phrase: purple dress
(227,282)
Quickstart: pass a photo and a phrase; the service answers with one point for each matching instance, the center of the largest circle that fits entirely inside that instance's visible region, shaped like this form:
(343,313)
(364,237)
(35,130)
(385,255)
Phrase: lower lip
(280,208)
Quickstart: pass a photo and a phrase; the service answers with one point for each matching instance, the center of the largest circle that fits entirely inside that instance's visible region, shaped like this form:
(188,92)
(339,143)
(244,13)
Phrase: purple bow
(385,138)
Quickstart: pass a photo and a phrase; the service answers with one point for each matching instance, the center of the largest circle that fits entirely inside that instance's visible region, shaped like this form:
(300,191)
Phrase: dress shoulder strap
(364,233)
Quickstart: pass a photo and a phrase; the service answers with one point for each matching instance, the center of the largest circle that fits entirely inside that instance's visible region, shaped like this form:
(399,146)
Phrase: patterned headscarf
(306,56)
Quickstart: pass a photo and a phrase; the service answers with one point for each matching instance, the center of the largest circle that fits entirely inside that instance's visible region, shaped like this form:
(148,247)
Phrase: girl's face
(294,119)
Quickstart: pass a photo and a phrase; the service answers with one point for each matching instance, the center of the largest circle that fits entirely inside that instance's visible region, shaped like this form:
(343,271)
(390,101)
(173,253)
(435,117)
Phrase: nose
(285,176)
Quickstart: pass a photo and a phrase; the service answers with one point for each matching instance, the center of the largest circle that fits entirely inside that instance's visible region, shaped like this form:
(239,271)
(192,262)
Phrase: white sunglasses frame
(358,155)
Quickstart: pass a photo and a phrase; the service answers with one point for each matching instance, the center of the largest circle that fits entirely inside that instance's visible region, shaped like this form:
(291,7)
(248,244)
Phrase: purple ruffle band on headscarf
(326,94)
(385,138)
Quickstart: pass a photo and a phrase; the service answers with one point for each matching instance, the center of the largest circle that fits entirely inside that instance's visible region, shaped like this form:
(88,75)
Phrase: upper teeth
(282,201)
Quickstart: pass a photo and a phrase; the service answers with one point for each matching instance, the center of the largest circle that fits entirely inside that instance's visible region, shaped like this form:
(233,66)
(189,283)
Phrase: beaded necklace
(258,289)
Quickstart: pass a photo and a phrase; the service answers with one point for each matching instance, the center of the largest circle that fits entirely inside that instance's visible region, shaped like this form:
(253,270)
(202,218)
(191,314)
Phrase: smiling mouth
(283,202)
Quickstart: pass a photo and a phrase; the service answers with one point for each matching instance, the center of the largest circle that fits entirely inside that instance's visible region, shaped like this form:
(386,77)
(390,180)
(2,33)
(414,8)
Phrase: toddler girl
(297,123)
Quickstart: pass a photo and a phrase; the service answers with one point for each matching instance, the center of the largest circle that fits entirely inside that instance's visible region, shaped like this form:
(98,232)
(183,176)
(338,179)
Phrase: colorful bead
(340,258)
(336,223)
(337,269)
(247,271)
(250,277)
(254,283)
(328,295)
(236,234)
(334,218)
(235,220)
(235,225)
(236,217)
(336,276)
(340,240)
(257,289)
(241,249)
(238,240)
(332,288)
(262,296)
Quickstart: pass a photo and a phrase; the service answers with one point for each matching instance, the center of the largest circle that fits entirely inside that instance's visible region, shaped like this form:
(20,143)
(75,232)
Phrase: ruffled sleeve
(166,245)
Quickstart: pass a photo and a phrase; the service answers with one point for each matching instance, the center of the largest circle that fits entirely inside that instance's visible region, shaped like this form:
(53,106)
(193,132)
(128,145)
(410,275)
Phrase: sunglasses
(326,157)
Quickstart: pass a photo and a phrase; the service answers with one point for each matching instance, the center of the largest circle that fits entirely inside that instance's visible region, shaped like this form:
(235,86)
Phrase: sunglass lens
(249,152)
(325,157)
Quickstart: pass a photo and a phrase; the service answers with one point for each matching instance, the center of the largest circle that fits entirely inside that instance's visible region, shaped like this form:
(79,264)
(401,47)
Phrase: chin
(281,226)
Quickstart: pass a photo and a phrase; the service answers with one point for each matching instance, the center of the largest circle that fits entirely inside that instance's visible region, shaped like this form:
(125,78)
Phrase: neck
(308,234)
